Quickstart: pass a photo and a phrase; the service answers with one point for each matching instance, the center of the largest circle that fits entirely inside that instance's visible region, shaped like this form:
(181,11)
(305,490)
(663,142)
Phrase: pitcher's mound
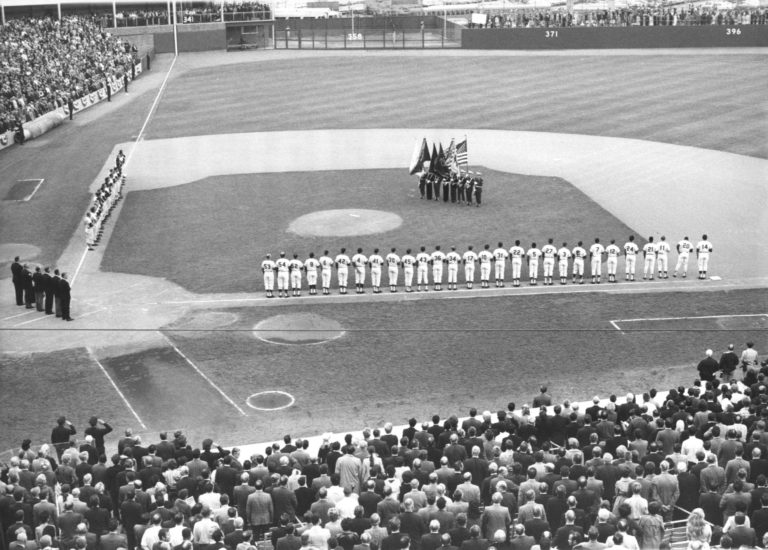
(344,223)
(24,251)
(298,328)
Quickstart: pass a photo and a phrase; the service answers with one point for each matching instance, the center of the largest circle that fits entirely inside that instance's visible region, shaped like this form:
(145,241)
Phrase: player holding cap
(612,253)
(563,255)
(359,260)
(630,252)
(579,254)
(469,258)
(393,265)
(376,261)
(453,260)
(516,253)
(649,253)
(684,249)
(485,257)
(549,252)
(408,263)
(283,268)
(662,257)
(500,256)
(703,250)
(310,268)
(268,269)
(436,259)
(532,257)
(342,270)
(296,266)
(326,263)
(422,269)
(596,253)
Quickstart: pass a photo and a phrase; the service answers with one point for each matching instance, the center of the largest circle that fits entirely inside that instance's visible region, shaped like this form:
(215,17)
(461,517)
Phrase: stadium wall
(572,38)
(193,37)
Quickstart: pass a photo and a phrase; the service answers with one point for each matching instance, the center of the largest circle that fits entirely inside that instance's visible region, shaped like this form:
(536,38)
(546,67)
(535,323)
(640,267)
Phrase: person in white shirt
(342,270)
(436,259)
(684,249)
(359,260)
(563,255)
(422,270)
(500,256)
(326,263)
(485,257)
(453,260)
(283,269)
(662,258)
(548,251)
(596,253)
(532,257)
(393,268)
(516,253)
(310,268)
(376,261)
(296,266)
(268,269)
(649,254)
(630,253)
(703,250)
(579,254)
(469,258)
(612,253)
(408,262)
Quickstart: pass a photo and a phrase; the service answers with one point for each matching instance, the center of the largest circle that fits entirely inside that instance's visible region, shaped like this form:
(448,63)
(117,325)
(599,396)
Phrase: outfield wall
(587,38)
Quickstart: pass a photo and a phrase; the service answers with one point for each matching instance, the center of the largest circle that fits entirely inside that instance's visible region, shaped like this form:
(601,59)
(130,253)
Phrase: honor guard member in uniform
(283,269)
(612,253)
(393,265)
(649,254)
(454,187)
(460,188)
(500,256)
(376,261)
(422,185)
(703,250)
(478,189)
(596,253)
(408,262)
(446,181)
(437,259)
(359,260)
(563,255)
(268,269)
(310,267)
(342,270)
(549,252)
(516,253)
(662,258)
(469,189)
(326,264)
(296,267)
(453,260)
(469,258)
(436,186)
(532,257)
(485,257)
(579,254)
(428,182)
(630,253)
(422,270)
(684,249)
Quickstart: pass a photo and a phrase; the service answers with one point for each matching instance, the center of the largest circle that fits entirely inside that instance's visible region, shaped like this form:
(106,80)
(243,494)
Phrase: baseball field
(242,154)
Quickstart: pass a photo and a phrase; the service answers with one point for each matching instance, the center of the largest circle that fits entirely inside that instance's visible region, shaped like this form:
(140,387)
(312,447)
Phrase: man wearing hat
(268,269)
(283,268)
(708,367)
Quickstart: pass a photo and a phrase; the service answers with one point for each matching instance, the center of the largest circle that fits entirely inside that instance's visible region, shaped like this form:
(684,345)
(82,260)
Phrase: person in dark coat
(48,284)
(29,287)
(66,297)
(708,367)
(17,270)
(728,363)
(39,284)
(55,282)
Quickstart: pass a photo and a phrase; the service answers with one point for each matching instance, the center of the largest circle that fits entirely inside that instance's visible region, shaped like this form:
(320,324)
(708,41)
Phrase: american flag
(461,153)
(450,158)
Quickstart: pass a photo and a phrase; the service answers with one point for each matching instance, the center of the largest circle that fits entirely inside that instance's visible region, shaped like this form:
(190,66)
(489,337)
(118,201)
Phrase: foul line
(616,321)
(111,381)
(201,373)
(18,315)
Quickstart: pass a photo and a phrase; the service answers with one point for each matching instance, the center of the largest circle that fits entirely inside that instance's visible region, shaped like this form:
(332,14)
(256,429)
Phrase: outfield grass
(210,235)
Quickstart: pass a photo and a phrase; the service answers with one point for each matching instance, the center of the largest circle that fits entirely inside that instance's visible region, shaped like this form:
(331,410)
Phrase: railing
(161,18)
(314,39)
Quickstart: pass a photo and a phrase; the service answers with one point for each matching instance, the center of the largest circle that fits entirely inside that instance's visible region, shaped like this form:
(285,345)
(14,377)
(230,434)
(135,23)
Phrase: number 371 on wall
(550,34)
(731,31)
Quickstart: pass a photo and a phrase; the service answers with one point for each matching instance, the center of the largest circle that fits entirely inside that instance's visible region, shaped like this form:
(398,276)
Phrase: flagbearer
(422,185)
(428,183)
(478,190)
(454,187)
(393,264)
(461,187)
(376,261)
(470,188)
(446,187)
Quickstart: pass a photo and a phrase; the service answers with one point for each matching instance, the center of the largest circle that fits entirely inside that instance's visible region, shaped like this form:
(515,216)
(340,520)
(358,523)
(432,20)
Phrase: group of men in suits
(49,293)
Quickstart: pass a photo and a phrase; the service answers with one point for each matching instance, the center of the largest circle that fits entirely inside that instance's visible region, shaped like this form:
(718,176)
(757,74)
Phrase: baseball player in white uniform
(612,253)
(469,258)
(549,252)
(326,264)
(342,270)
(359,260)
(268,269)
(310,268)
(684,249)
(283,269)
(437,259)
(296,266)
(630,252)
(393,267)
(422,270)
(563,255)
(408,262)
(662,257)
(532,257)
(703,250)
(649,253)
(376,261)
(500,256)
(485,257)
(516,253)
(596,252)
(579,255)
(453,260)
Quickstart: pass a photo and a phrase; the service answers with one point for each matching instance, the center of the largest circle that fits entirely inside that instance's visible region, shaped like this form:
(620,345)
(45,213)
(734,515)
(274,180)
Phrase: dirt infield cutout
(270,400)
(344,223)
(298,329)
(24,251)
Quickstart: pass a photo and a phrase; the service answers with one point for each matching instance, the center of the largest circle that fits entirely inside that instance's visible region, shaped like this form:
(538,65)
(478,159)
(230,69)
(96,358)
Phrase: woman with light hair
(698,531)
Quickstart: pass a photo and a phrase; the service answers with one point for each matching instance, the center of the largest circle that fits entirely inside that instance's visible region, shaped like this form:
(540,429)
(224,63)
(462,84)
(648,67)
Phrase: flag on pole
(461,153)
(442,165)
(450,158)
(433,167)
(420,154)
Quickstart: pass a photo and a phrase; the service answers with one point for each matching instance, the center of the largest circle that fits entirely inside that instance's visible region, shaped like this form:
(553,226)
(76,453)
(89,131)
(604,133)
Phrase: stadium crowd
(540,476)
(197,12)
(46,62)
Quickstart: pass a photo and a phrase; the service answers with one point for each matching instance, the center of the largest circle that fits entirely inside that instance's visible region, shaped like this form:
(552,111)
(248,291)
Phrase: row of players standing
(655,259)
(104,200)
(49,293)
(457,189)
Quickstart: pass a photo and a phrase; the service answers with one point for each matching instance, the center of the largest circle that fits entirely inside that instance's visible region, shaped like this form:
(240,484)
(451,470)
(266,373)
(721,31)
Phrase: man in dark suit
(742,535)
(759,518)
(284,501)
(56,292)
(474,542)
(289,541)
(392,541)
(114,539)
(48,286)
(29,287)
(231,540)
(66,298)
(132,514)
(431,540)
(39,284)
(17,270)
